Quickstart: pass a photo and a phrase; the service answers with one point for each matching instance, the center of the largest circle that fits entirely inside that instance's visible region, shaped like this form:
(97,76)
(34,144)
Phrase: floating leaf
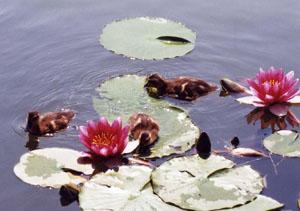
(198,184)
(261,203)
(47,167)
(148,38)
(283,142)
(127,189)
(125,95)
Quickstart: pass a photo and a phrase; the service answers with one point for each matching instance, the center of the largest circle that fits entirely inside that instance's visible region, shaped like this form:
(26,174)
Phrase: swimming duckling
(143,128)
(184,88)
(48,123)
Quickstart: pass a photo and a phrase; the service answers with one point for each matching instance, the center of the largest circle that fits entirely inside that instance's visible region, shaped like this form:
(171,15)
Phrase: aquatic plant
(104,139)
(273,86)
(273,89)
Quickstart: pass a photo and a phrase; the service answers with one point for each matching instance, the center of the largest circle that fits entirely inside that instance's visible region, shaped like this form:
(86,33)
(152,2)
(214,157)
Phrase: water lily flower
(104,139)
(273,88)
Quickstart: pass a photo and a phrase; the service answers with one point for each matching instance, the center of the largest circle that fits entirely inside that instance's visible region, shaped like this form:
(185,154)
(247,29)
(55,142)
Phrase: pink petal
(85,140)
(91,128)
(117,124)
(103,152)
(290,75)
(83,130)
(115,150)
(104,122)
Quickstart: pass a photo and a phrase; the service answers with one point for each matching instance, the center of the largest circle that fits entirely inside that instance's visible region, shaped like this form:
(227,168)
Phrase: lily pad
(261,203)
(148,38)
(49,167)
(197,184)
(127,189)
(125,95)
(283,142)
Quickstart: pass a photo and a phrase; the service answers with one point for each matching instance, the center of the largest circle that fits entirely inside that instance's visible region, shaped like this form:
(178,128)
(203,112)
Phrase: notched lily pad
(125,95)
(127,189)
(148,38)
(49,167)
(197,184)
(283,142)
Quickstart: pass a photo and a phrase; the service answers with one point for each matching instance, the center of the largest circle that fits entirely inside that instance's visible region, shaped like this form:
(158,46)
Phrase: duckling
(48,123)
(143,128)
(183,88)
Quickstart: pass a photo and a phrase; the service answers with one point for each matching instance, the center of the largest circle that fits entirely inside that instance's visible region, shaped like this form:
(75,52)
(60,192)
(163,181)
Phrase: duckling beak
(145,138)
(152,90)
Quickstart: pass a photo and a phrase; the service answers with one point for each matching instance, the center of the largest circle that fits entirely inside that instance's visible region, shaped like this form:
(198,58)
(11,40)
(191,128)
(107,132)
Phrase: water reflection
(268,119)
(32,143)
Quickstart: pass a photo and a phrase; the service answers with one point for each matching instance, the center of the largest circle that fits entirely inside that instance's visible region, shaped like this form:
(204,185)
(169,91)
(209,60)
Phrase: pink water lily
(273,87)
(104,139)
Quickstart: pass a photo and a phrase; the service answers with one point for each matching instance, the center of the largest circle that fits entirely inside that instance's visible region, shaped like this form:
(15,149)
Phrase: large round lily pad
(49,167)
(283,142)
(127,189)
(197,184)
(148,38)
(125,95)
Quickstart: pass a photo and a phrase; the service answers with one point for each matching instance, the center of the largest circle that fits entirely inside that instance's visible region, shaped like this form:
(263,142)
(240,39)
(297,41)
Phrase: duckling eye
(153,90)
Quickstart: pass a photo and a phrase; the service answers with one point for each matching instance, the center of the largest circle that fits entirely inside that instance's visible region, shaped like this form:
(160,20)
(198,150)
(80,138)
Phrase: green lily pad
(47,167)
(125,95)
(127,189)
(197,184)
(283,142)
(148,38)
(261,203)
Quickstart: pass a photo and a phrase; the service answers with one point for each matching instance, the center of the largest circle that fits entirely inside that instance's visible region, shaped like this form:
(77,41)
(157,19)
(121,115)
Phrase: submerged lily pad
(283,142)
(261,203)
(125,95)
(48,167)
(148,38)
(211,184)
(127,189)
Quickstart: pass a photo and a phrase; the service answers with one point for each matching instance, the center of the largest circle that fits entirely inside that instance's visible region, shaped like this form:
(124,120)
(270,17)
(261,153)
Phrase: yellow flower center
(271,82)
(103,139)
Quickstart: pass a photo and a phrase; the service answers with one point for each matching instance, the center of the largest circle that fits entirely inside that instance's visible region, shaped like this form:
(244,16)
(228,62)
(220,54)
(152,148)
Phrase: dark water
(50,58)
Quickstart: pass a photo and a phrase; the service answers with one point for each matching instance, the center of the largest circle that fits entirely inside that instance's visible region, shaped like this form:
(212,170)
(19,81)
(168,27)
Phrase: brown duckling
(48,123)
(184,88)
(143,128)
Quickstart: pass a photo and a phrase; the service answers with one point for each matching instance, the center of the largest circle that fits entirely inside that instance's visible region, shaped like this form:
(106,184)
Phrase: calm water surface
(50,58)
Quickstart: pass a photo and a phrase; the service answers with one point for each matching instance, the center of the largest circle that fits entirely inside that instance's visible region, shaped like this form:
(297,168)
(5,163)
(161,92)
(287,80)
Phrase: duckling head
(144,138)
(155,85)
(32,122)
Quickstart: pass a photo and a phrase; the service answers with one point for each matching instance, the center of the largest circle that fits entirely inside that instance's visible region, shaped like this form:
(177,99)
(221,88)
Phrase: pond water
(50,58)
